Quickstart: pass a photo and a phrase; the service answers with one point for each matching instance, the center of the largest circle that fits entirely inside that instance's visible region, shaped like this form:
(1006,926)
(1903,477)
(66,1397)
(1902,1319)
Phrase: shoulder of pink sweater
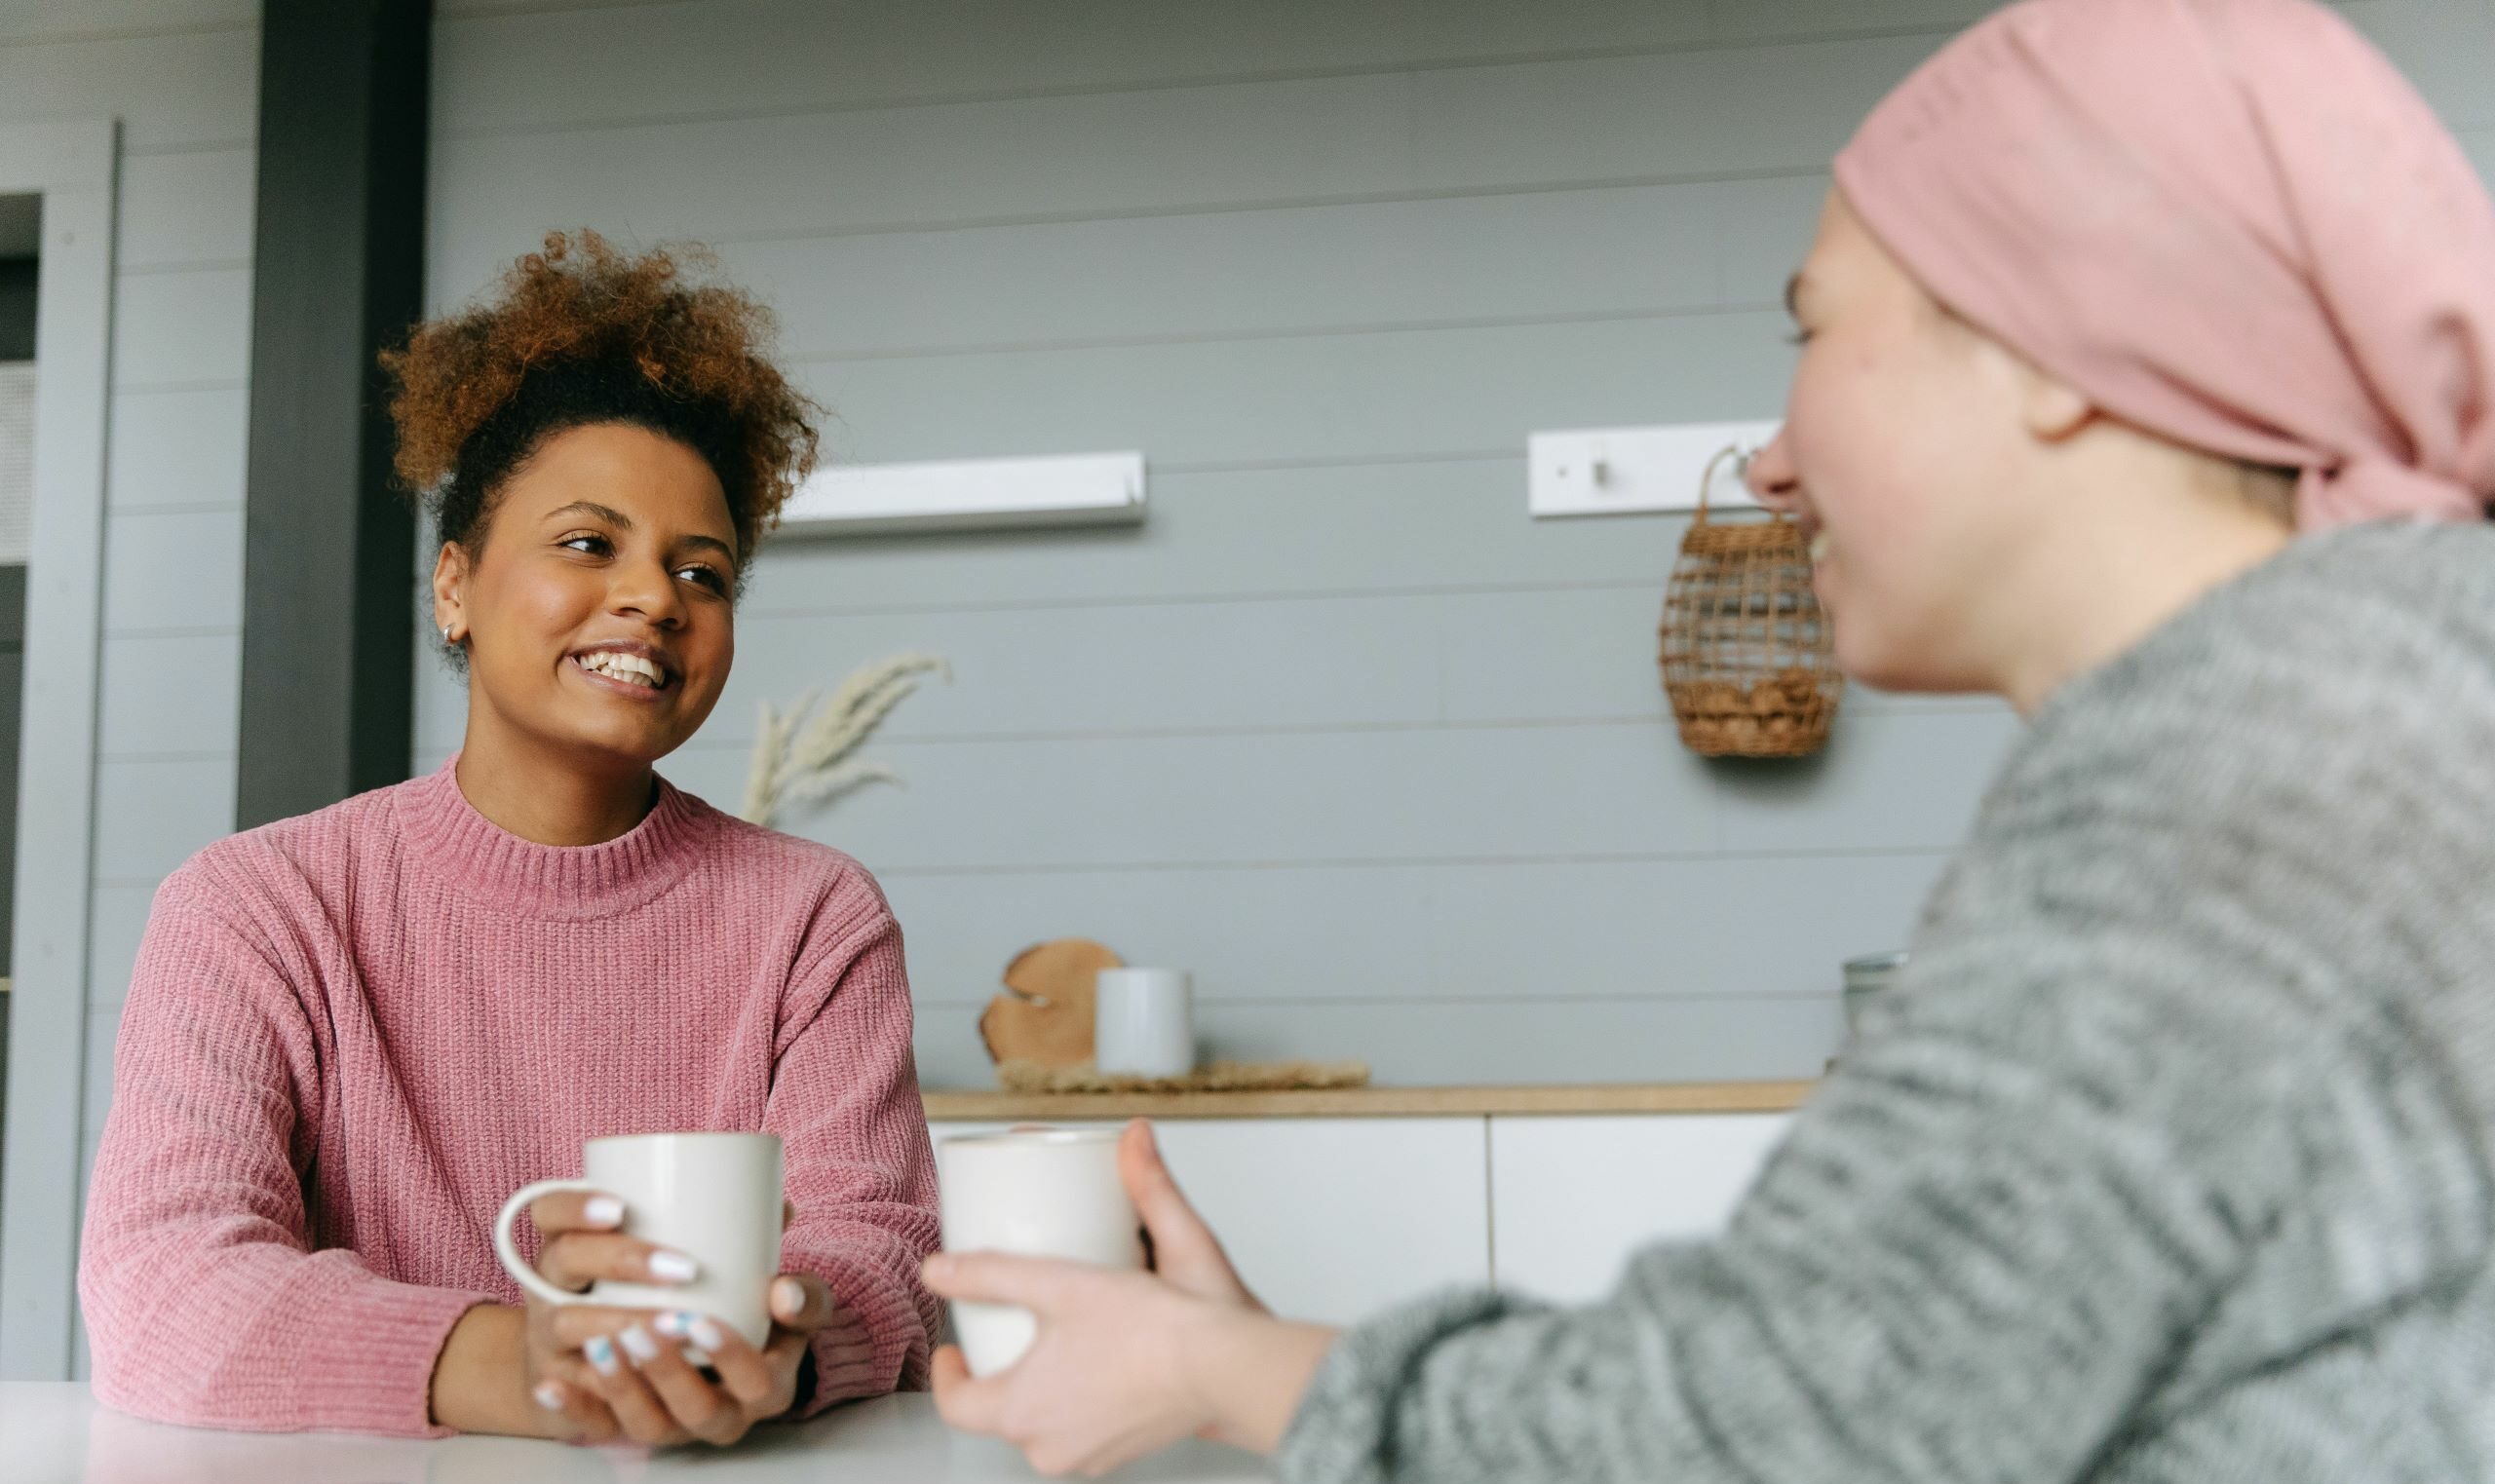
(280,863)
(843,886)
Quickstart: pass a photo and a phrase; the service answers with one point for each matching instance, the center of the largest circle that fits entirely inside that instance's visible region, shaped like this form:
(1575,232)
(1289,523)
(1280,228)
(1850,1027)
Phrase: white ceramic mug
(713,1197)
(1036,1192)
(1143,1022)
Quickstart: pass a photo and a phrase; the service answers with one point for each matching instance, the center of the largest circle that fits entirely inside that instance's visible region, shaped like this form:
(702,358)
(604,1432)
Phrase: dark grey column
(338,273)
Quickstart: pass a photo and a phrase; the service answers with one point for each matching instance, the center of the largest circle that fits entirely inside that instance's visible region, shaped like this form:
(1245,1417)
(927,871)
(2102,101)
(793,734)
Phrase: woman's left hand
(656,1389)
(1108,1379)
(1126,1363)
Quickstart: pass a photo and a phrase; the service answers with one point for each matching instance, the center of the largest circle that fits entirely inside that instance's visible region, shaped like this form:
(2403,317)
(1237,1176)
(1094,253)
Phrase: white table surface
(52,1434)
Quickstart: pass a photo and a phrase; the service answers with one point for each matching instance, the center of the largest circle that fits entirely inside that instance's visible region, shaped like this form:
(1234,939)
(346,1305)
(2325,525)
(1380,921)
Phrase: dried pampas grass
(801,757)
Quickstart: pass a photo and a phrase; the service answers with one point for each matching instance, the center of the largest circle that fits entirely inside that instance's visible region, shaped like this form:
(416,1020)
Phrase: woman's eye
(707,577)
(587,540)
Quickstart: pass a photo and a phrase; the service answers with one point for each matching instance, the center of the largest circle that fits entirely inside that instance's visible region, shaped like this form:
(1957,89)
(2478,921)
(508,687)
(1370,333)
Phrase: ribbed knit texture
(351,1035)
(2166,1161)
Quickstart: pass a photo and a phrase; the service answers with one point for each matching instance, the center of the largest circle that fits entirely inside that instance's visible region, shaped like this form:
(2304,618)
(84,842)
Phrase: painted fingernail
(549,1396)
(706,1334)
(639,1346)
(788,1296)
(672,1323)
(696,1357)
(602,1354)
(602,1211)
(673,1267)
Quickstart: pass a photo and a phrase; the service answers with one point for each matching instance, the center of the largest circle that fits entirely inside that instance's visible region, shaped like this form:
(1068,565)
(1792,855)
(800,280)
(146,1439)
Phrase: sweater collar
(481,859)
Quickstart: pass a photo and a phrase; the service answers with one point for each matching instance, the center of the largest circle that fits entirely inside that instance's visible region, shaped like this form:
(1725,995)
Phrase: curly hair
(583,333)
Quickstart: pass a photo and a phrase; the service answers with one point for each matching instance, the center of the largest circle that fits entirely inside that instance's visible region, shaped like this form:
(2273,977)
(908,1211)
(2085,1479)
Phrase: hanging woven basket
(1747,653)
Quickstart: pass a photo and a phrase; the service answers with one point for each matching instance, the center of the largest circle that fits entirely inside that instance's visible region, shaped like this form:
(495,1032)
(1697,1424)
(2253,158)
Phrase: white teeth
(1820,545)
(616,665)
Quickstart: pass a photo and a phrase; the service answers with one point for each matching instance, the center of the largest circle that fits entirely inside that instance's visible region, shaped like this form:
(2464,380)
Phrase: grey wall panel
(52,22)
(1428,1044)
(181,449)
(120,920)
(1532,931)
(1246,273)
(172,90)
(186,210)
(1395,794)
(1396,393)
(1526,126)
(170,695)
(183,327)
(173,570)
(152,815)
(662,61)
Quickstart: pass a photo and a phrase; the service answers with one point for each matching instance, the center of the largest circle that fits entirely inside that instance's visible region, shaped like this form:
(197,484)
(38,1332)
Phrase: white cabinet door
(1572,1198)
(1331,1219)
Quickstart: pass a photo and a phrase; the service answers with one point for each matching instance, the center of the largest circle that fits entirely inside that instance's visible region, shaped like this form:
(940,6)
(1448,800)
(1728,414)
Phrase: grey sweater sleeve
(1968,1261)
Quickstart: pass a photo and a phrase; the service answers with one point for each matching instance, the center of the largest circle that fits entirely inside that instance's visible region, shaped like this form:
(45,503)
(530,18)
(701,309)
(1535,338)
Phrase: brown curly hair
(583,333)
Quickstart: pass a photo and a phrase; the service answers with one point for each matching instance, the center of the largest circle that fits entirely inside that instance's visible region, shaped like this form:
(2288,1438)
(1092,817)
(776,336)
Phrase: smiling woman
(332,1064)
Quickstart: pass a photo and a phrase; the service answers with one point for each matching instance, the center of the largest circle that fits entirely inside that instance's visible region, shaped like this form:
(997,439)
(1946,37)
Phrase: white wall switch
(1621,471)
(968,494)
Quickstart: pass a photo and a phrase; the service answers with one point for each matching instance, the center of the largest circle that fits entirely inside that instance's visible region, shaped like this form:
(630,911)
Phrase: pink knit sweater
(351,1034)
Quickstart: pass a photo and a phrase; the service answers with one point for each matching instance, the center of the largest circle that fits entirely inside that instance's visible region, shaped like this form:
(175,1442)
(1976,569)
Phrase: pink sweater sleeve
(203,1305)
(844,1098)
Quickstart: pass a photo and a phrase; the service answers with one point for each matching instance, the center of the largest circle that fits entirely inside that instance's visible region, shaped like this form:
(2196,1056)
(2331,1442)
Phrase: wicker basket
(1746,656)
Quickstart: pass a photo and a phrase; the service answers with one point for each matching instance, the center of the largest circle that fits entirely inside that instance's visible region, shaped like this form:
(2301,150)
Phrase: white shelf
(968,494)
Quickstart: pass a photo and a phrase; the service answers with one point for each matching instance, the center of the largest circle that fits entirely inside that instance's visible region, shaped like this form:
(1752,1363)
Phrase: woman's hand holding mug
(654,1312)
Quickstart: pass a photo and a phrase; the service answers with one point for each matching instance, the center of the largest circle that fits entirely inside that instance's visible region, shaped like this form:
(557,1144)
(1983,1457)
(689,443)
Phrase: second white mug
(1034,1192)
(1143,1022)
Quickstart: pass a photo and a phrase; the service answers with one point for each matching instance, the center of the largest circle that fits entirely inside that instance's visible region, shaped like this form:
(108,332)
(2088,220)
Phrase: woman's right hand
(1184,1251)
(580,1243)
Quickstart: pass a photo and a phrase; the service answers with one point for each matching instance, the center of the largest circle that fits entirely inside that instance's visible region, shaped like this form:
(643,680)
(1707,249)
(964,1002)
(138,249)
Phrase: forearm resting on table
(1250,1370)
(481,1380)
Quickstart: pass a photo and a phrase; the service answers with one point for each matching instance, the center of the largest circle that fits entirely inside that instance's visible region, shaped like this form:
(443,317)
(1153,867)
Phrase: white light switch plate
(1621,471)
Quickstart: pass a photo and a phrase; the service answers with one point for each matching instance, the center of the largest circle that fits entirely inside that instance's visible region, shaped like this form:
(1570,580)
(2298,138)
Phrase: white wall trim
(71,163)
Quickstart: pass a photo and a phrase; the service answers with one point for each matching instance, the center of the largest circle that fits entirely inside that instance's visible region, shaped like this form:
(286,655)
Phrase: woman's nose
(648,592)
(1772,478)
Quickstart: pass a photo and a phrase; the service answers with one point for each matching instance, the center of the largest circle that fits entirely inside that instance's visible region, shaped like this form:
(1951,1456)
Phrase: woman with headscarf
(2149,382)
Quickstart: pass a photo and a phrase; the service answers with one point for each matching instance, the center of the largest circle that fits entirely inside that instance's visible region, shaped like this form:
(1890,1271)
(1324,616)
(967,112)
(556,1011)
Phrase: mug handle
(522,1273)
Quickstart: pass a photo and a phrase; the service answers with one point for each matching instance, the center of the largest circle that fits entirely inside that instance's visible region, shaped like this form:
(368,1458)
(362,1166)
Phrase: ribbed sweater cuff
(875,1343)
(369,1367)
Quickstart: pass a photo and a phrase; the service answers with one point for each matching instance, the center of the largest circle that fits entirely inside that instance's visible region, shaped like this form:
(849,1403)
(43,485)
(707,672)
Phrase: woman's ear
(449,592)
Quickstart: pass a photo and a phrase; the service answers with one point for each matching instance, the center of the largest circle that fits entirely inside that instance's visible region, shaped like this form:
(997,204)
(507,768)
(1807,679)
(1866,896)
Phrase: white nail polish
(673,1267)
(602,1211)
(601,1354)
(549,1396)
(639,1346)
(696,1357)
(706,1333)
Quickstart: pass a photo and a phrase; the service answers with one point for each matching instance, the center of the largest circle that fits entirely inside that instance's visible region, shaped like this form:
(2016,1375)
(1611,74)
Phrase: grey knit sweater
(2168,1160)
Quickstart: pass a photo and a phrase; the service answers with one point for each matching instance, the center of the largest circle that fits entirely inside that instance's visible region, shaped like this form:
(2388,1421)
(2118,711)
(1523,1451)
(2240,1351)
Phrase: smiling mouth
(623,667)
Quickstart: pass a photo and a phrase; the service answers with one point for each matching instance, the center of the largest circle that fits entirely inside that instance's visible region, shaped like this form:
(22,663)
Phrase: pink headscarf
(2229,222)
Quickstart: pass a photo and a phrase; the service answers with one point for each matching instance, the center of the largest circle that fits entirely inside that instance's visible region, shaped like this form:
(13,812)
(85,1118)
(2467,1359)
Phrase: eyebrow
(623,522)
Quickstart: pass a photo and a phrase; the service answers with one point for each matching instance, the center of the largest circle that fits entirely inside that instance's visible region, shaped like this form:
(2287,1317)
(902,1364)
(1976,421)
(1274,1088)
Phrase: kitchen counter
(51,1432)
(946,1105)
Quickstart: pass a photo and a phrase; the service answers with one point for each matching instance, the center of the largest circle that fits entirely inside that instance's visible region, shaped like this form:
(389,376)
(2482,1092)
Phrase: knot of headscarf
(2229,222)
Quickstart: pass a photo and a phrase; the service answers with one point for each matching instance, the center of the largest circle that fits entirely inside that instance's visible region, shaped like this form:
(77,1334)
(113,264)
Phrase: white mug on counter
(713,1197)
(1143,1022)
(1033,1193)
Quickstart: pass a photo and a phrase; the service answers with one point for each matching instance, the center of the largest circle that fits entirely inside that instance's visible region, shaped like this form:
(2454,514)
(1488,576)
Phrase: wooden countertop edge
(964,1107)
